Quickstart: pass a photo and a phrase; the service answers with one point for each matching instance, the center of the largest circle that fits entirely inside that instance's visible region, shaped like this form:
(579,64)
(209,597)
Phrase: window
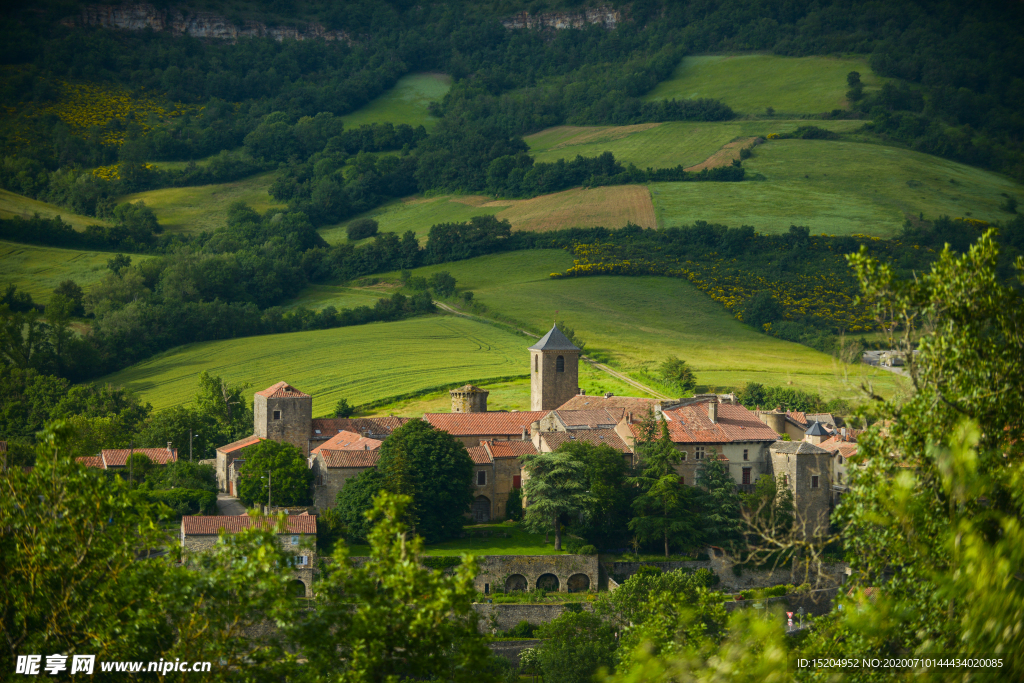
(698,452)
(746,456)
(839,477)
(487,589)
(560,364)
(481,478)
(277,414)
(302,560)
(535,364)
(840,460)
(785,479)
(517,481)
(682,480)
(295,539)
(814,482)
(683,456)
(746,475)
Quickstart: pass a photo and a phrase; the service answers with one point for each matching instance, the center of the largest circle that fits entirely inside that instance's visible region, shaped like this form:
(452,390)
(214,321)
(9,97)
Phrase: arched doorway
(481,509)
(516,582)
(578,583)
(296,589)
(547,582)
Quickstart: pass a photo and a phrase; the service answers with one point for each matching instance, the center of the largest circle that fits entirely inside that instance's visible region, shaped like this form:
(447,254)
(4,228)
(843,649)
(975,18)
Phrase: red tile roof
(637,406)
(282,390)
(342,458)
(91,461)
(479,455)
(594,436)
(836,443)
(484,424)
(240,444)
(590,418)
(349,441)
(376,426)
(734,424)
(509,449)
(118,457)
(212,525)
(798,417)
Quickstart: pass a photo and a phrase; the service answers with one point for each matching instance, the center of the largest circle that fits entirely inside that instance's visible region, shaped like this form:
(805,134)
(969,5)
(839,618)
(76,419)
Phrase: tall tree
(660,511)
(228,404)
(603,522)
(557,485)
(718,501)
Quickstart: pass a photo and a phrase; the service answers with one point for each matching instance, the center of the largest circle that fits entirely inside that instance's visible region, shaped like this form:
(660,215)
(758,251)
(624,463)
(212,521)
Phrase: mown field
(405,103)
(837,188)
(751,83)
(38,270)
(660,145)
(12,205)
(636,322)
(190,209)
(361,363)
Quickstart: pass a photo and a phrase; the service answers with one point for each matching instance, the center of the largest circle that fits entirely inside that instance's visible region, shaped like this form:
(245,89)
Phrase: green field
(360,363)
(837,188)
(12,205)
(752,83)
(318,297)
(417,214)
(663,145)
(404,103)
(38,270)
(637,322)
(190,209)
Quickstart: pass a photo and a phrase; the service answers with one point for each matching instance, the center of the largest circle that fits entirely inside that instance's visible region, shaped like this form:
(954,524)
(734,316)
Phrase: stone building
(202,534)
(226,455)
(472,428)
(117,458)
(554,371)
(469,399)
(337,460)
(785,423)
(805,469)
(283,413)
(497,471)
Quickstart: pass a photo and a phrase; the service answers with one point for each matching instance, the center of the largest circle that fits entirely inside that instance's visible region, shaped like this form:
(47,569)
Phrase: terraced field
(838,187)
(361,363)
(751,83)
(405,103)
(12,205)
(38,270)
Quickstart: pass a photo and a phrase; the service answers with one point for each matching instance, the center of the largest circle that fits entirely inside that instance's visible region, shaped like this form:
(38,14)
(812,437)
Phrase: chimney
(844,433)
(366,446)
(629,418)
(169,446)
(713,410)
(523,438)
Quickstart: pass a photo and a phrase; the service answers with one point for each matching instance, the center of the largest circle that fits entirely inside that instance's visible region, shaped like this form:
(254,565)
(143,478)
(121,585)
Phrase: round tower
(469,399)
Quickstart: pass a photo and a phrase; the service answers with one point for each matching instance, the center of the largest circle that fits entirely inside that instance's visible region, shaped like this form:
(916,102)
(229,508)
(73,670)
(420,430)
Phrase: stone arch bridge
(562,573)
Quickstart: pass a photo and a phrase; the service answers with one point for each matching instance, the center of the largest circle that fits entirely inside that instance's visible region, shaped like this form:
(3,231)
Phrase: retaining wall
(504,617)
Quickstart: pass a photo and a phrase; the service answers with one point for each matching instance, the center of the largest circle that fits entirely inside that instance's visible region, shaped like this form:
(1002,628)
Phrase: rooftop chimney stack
(523,438)
(713,411)
(169,446)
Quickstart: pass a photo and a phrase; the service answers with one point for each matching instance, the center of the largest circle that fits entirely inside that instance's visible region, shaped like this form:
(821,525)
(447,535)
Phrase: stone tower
(554,371)
(283,413)
(469,399)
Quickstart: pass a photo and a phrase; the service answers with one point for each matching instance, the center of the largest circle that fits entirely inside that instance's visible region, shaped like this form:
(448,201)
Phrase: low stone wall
(506,573)
(729,582)
(511,649)
(504,617)
(814,603)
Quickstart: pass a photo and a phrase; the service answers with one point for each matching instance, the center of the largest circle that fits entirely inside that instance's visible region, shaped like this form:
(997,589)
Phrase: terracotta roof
(484,424)
(733,424)
(91,461)
(594,436)
(349,441)
(554,340)
(637,406)
(592,419)
(824,418)
(212,525)
(240,444)
(479,455)
(376,426)
(341,458)
(118,457)
(509,449)
(797,448)
(282,390)
(797,416)
(836,443)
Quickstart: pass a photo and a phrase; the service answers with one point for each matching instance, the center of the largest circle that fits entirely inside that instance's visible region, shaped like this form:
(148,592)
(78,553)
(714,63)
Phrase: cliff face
(604,16)
(137,17)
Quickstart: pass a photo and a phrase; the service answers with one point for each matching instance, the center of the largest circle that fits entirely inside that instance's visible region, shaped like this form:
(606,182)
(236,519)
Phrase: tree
(718,501)
(677,372)
(571,334)
(182,474)
(390,618)
(761,309)
(70,290)
(442,283)
(556,486)
(227,404)
(343,409)
(355,499)
(361,229)
(137,466)
(434,468)
(290,478)
(577,643)
(660,511)
(58,315)
(770,506)
(118,263)
(514,505)
(601,523)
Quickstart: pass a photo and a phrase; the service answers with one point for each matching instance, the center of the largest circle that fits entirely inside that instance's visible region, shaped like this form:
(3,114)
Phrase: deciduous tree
(557,485)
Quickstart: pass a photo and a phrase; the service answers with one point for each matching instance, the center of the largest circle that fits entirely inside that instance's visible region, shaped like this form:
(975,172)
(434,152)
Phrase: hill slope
(38,270)
(404,103)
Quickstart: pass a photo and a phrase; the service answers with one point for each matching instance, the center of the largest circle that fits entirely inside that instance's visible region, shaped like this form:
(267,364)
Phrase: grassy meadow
(418,214)
(38,270)
(404,103)
(753,82)
(12,205)
(205,207)
(837,188)
(362,363)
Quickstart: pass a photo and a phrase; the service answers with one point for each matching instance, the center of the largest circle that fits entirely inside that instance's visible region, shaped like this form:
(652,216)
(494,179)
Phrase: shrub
(587,550)
(523,629)
(186,501)
(361,229)
(514,505)
(442,562)
(706,578)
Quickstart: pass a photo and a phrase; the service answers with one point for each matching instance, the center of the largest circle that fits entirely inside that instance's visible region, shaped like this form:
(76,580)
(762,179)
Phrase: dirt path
(229,505)
(724,156)
(593,363)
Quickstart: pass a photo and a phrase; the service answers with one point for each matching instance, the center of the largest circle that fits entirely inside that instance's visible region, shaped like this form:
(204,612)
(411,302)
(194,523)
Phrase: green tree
(557,485)
(58,316)
(290,479)
(70,290)
(718,501)
(390,618)
(576,644)
(514,505)
(343,409)
(22,338)
(761,309)
(660,510)
(182,474)
(602,522)
(117,263)
(355,499)
(227,404)
(442,283)
(137,467)
(434,468)
(677,372)
(361,229)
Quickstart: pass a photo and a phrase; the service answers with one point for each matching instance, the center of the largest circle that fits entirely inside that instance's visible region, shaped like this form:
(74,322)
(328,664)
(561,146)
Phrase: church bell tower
(554,371)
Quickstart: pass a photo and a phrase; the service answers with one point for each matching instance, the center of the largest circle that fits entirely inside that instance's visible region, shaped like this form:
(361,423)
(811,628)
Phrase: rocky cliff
(604,16)
(180,22)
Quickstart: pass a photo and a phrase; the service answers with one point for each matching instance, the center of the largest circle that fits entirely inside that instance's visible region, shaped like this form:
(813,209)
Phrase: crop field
(361,363)
(12,205)
(38,270)
(404,103)
(660,145)
(205,207)
(751,83)
(318,297)
(838,188)
(636,322)
(419,213)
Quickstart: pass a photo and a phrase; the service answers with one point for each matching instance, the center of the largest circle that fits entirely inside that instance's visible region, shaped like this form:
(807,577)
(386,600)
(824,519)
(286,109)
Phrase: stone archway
(296,589)
(548,582)
(578,583)
(516,582)
(481,509)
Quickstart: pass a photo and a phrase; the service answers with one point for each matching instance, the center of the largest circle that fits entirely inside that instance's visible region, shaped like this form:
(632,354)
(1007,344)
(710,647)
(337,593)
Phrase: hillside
(37,270)
(12,205)
(405,103)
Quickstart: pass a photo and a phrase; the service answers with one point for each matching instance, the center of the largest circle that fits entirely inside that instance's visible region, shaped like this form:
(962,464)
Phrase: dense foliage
(276,472)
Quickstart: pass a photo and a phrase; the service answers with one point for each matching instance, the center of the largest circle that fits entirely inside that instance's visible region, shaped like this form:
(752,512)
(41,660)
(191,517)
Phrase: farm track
(593,363)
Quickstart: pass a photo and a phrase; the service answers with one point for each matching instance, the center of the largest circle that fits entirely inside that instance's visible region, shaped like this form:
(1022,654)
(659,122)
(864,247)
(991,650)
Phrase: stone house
(203,534)
(563,420)
(324,428)
(332,467)
(497,470)
(469,399)
(805,470)
(226,455)
(117,458)
(785,423)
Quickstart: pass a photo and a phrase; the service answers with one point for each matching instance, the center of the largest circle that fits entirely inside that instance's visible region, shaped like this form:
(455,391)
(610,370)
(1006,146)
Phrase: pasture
(418,213)
(38,270)
(205,207)
(404,103)
(753,82)
(362,363)
(637,322)
(838,188)
(12,205)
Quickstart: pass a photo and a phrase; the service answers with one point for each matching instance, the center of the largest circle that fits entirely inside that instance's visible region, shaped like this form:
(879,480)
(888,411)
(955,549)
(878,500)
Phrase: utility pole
(268,478)
(190,442)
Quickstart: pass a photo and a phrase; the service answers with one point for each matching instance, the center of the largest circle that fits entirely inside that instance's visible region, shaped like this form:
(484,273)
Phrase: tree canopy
(278,469)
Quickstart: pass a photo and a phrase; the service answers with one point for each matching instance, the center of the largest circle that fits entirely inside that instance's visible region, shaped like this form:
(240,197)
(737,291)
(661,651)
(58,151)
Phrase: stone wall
(200,543)
(511,649)
(814,603)
(812,504)
(748,579)
(505,573)
(504,617)
(333,479)
(294,426)
(549,388)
